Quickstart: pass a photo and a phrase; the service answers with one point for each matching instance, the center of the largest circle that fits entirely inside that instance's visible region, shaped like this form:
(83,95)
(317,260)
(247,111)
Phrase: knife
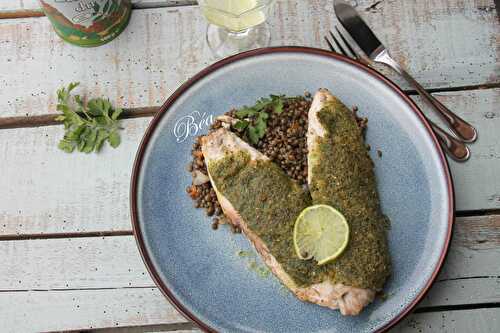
(377,52)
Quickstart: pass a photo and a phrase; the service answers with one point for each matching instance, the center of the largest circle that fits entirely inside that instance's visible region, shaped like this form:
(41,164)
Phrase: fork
(454,147)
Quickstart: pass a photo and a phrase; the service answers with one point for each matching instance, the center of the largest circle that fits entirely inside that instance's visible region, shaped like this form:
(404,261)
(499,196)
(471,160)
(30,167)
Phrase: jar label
(87,22)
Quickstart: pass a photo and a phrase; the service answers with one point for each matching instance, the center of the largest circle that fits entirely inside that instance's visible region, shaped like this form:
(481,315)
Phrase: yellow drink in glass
(236,25)
(234,15)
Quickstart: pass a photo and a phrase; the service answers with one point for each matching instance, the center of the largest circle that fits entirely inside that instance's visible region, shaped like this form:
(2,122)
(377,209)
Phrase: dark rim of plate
(270,50)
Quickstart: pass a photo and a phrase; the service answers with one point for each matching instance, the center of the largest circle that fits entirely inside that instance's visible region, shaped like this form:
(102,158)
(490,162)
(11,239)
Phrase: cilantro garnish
(253,119)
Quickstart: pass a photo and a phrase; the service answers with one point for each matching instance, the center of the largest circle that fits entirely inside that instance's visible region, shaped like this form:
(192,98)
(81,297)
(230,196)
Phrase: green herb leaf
(241,125)
(277,103)
(116,113)
(255,123)
(74,133)
(87,126)
(261,125)
(90,141)
(245,112)
(262,116)
(262,103)
(93,108)
(81,145)
(72,86)
(102,120)
(66,146)
(252,135)
(260,131)
(114,139)
(102,135)
(99,107)
(78,100)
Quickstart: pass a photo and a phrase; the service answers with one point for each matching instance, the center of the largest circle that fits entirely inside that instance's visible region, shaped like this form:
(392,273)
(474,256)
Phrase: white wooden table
(69,260)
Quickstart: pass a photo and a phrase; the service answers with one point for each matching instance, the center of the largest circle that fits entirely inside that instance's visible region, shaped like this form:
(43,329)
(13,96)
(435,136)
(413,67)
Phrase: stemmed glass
(236,25)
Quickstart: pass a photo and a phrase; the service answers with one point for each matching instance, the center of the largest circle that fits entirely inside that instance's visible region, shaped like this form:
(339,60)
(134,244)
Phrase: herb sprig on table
(253,119)
(88,125)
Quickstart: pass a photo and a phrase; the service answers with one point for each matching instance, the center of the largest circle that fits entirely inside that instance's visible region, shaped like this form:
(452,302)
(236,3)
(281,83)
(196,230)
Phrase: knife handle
(460,127)
(455,148)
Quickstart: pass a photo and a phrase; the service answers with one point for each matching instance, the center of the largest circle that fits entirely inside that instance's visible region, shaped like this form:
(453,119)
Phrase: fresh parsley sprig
(253,119)
(87,125)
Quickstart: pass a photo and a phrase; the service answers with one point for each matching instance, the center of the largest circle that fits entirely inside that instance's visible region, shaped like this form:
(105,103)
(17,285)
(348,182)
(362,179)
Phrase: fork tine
(354,54)
(342,51)
(330,45)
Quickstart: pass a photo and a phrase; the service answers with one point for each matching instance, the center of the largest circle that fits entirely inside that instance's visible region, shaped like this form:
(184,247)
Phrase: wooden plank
(19,4)
(139,4)
(93,309)
(114,262)
(75,263)
(478,232)
(476,320)
(163,47)
(463,291)
(41,311)
(50,118)
(467,277)
(477,185)
(21,13)
(151,329)
(103,277)
(135,69)
(16,5)
(48,195)
(58,193)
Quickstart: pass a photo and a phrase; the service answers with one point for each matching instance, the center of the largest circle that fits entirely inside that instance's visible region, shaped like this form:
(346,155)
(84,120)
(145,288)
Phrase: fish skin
(349,300)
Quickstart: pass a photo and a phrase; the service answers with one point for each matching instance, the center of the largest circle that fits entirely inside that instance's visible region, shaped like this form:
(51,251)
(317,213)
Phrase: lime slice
(321,232)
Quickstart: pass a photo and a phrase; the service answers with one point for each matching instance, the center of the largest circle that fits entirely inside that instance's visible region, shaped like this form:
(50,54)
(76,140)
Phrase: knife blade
(357,28)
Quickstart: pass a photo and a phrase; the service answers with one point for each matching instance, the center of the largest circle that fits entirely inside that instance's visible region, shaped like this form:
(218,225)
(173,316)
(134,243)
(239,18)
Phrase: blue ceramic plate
(199,270)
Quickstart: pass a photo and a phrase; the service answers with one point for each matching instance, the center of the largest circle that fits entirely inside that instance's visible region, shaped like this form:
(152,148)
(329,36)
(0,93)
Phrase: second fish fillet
(341,175)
